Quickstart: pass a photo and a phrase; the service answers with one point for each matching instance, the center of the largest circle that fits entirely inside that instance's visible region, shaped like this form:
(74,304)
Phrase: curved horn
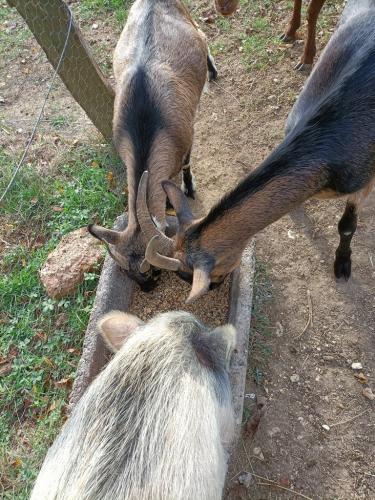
(109,236)
(148,227)
(201,283)
(156,259)
(145,266)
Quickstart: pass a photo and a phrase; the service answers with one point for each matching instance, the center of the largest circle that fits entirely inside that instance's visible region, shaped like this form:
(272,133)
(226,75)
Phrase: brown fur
(176,70)
(290,35)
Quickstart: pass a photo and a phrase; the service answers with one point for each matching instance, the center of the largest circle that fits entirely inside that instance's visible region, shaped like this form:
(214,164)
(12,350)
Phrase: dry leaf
(48,362)
(111,180)
(56,208)
(73,351)
(361,377)
(52,407)
(33,201)
(170,211)
(5,368)
(64,382)
(95,164)
(41,336)
(17,462)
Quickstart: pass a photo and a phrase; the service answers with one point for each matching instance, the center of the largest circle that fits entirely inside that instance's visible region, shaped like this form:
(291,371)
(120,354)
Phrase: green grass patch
(120,9)
(13,32)
(41,338)
(59,121)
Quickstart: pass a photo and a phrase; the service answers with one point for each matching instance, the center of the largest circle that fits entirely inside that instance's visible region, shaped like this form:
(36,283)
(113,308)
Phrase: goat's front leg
(188,180)
(290,34)
(347,227)
(309,51)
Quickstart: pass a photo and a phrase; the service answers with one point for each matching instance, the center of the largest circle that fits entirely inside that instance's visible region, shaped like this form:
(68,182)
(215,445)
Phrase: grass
(40,338)
(59,121)
(119,8)
(13,34)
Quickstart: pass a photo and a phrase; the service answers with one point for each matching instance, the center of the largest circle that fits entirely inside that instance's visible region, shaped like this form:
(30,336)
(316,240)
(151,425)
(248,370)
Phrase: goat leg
(290,34)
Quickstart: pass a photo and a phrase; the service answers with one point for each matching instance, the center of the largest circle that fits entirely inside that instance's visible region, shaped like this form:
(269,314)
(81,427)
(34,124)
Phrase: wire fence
(54,27)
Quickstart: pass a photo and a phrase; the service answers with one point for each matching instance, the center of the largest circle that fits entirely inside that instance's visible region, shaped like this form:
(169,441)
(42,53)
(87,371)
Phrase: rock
(251,395)
(328,358)
(95,26)
(294,378)
(274,431)
(326,427)
(257,452)
(368,394)
(279,329)
(357,366)
(245,478)
(76,254)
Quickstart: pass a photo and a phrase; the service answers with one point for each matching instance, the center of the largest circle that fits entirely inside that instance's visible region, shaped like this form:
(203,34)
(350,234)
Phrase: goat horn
(145,266)
(148,227)
(201,283)
(156,259)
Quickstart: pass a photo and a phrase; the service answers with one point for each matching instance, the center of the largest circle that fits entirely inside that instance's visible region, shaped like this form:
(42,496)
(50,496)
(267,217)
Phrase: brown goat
(290,34)
(160,65)
(227,7)
(328,152)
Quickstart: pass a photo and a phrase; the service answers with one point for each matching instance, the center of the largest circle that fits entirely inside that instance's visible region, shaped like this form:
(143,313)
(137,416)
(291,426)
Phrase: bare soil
(240,121)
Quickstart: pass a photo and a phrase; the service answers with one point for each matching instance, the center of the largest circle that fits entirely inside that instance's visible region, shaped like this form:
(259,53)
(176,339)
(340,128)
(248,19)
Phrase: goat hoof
(343,268)
(303,67)
(287,38)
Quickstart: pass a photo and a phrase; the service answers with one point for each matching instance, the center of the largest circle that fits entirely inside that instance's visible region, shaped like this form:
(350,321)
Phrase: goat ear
(228,334)
(101,233)
(179,202)
(116,327)
(201,284)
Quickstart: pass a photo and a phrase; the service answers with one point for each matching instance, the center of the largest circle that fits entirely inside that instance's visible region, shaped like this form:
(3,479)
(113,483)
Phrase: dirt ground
(240,121)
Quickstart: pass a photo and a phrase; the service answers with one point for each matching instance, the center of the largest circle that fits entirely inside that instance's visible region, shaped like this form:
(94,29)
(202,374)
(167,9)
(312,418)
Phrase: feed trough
(231,302)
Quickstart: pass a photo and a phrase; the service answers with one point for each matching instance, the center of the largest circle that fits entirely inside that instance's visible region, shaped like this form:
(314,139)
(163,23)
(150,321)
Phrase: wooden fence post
(49,22)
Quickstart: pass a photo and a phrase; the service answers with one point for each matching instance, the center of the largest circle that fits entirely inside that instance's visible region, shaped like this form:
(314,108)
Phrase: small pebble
(279,329)
(294,378)
(250,396)
(95,26)
(326,427)
(245,478)
(274,431)
(357,366)
(258,453)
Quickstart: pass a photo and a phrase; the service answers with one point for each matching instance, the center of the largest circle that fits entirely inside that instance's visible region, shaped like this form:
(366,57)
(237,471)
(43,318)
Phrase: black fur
(142,119)
(334,133)
(347,227)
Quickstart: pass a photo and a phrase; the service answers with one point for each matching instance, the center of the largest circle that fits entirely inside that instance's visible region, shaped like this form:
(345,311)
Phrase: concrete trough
(115,291)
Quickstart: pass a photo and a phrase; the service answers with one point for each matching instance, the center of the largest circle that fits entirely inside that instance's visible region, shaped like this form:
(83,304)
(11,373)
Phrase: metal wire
(20,163)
